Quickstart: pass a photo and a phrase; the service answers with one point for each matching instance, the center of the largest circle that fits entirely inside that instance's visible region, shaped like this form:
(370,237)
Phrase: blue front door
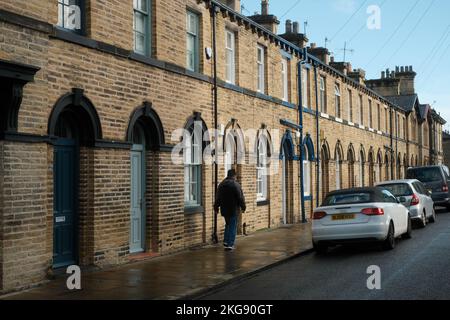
(64,203)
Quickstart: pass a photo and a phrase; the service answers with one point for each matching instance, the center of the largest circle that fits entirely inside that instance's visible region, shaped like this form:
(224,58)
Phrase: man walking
(229,198)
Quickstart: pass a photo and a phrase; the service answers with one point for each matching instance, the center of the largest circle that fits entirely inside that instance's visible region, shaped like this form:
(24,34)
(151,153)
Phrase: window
(305,78)
(379,117)
(323,95)
(261,169)
(71,15)
(337,98)
(192,41)
(193,167)
(370,114)
(285,78)
(350,106)
(141,26)
(230,57)
(261,69)
(386,118)
(361,110)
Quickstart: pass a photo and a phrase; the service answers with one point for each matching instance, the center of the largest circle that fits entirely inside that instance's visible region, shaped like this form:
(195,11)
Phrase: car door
(428,201)
(397,212)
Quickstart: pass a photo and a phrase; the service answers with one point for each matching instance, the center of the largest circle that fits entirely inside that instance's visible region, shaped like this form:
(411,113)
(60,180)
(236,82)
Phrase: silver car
(414,196)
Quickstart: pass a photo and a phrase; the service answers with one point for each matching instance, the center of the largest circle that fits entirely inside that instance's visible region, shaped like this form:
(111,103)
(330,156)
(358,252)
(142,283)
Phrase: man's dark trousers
(230,230)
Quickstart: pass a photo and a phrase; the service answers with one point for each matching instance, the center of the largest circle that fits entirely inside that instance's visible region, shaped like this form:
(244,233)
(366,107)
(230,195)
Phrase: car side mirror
(402,200)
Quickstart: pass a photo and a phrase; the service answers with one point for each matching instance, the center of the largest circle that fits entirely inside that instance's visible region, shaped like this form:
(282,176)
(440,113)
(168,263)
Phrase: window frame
(361,110)
(230,66)
(350,105)
(193,166)
(337,100)
(261,68)
(323,94)
(196,37)
(262,169)
(285,78)
(61,23)
(147,23)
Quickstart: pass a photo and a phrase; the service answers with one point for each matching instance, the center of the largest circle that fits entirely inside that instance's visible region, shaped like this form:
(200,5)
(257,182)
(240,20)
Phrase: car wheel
(389,243)
(423,220)
(320,248)
(408,233)
(432,219)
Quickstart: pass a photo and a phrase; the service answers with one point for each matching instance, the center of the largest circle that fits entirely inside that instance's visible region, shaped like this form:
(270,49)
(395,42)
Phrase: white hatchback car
(360,215)
(414,196)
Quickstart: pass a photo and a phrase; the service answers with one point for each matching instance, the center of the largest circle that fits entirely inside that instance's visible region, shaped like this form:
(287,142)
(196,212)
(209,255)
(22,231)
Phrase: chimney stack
(233,4)
(265,7)
(267,20)
(295,28)
(288,26)
(383,74)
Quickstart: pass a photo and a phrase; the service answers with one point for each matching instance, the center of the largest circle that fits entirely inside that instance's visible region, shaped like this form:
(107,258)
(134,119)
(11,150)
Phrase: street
(416,269)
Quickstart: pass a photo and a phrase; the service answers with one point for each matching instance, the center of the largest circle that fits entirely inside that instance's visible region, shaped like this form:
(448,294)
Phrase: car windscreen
(425,174)
(398,189)
(347,198)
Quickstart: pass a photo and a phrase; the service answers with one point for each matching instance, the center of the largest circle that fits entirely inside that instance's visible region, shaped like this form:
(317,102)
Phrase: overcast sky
(413,32)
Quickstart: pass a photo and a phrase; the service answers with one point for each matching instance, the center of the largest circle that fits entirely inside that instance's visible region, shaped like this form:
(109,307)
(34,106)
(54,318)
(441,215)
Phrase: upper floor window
(337,96)
(285,77)
(192,41)
(350,106)
(370,114)
(305,79)
(71,15)
(379,117)
(261,69)
(386,118)
(361,110)
(141,26)
(230,57)
(323,95)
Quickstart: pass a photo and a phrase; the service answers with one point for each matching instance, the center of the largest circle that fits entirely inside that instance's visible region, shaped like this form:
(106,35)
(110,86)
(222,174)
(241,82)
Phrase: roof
(406,102)
(423,110)
(365,189)
(384,183)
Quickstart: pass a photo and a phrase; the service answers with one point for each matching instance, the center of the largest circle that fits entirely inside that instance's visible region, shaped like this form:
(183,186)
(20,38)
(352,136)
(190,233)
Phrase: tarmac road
(417,269)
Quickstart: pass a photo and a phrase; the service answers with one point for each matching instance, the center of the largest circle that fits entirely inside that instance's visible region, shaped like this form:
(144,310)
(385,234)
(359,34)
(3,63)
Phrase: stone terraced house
(94,97)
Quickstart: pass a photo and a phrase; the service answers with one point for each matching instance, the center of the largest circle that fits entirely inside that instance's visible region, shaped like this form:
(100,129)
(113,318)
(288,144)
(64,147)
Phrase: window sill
(261,203)
(339,120)
(194,210)
(324,115)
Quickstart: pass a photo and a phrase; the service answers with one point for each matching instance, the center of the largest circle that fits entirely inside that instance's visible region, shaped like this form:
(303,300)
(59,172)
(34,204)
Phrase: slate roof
(405,102)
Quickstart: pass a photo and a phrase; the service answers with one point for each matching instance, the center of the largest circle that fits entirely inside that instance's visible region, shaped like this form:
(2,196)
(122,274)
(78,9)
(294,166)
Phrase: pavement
(417,269)
(186,275)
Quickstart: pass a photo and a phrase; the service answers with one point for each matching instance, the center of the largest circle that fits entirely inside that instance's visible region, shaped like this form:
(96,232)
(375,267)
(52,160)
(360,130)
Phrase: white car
(414,196)
(360,215)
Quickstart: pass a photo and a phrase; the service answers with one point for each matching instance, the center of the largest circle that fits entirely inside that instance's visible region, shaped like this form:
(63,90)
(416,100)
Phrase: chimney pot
(295,27)
(313,45)
(397,69)
(265,7)
(383,74)
(402,69)
(388,74)
(331,59)
(411,68)
(288,26)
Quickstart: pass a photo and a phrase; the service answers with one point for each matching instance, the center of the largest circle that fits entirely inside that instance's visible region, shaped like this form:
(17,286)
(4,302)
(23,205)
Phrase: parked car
(436,180)
(360,215)
(413,195)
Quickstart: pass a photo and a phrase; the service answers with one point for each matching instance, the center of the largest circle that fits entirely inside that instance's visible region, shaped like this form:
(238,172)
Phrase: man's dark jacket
(229,198)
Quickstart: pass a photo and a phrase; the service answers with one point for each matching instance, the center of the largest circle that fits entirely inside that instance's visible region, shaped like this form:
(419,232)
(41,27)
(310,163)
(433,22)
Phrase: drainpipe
(303,61)
(317,137)
(216,168)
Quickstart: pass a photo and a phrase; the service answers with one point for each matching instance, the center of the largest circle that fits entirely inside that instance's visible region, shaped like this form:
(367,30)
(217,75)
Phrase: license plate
(340,217)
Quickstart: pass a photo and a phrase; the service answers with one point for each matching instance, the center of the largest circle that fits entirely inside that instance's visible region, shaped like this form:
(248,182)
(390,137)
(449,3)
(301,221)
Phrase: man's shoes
(229,248)
(225,244)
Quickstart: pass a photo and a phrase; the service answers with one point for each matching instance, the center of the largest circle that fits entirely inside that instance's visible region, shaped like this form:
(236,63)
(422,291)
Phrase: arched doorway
(351,166)
(338,158)
(287,155)
(399,166)
(234,156)
(372,177)
(380,166)
(386,168)
(74,125)
(145,132)
(362,161)
(324,167)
